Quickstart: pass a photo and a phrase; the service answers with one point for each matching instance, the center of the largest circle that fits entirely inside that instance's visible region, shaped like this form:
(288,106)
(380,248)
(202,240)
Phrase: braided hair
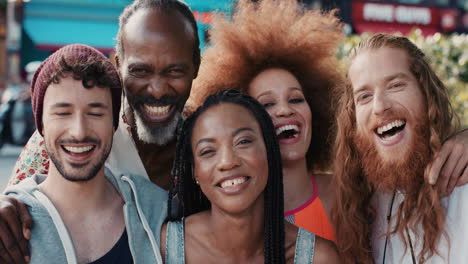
(190,198)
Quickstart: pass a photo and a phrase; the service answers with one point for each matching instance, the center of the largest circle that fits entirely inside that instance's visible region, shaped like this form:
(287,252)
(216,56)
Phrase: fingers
(14,247)
(464,178)
(18,227)
(449,168)
(9,249)
(25,218)
(438,162)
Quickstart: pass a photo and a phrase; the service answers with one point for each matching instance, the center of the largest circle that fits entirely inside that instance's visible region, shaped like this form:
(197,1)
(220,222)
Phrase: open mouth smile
(288,133)
(391,133)
(233,185)
(158,112)
(79,154)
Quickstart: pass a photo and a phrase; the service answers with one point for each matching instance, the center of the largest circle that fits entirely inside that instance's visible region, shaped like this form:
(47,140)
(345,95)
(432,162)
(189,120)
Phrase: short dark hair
(93,72)
(190,197)
(177,5)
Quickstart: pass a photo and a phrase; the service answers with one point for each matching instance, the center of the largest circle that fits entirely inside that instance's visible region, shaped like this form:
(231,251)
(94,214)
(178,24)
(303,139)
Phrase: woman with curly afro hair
(283,55)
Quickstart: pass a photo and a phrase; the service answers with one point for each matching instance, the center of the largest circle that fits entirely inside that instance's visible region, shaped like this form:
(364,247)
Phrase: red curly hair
(352,210)
(280,34)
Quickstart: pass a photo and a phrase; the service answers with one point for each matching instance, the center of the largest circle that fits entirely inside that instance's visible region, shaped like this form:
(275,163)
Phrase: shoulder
(23,191)
(455,205)
(162,245)
(325,251)
(32,159)
(290,237)
(149,194)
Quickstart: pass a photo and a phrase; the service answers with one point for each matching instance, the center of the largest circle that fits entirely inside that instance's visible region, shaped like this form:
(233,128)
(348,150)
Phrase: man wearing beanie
(158,57)
(82,212)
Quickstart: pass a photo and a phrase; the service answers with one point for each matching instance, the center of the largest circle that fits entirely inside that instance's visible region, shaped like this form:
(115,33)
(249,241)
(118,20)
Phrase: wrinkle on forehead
(396,62)
(155,25)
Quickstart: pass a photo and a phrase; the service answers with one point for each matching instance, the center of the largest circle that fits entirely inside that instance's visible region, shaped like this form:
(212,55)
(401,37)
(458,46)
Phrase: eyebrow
(236,132)
(61,105)
(386,80)
(242,129)
(92,105)
(185,65)
(395,76)
(98,105)
(139,64)
(270,92)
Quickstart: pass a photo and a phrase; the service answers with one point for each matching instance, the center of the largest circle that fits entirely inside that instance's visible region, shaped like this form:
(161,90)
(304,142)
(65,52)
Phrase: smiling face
(281,95)
(157,71)
(77,128)
(230,161)
(390,106)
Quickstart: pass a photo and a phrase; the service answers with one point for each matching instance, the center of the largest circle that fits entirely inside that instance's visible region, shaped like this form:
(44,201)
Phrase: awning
(55,23)
(50,32)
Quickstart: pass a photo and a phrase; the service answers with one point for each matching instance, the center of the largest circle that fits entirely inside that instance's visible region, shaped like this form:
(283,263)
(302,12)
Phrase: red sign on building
(388,17)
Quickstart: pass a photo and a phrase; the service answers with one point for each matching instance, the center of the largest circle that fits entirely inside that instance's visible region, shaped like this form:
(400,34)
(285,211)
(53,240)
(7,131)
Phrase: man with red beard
(392,119)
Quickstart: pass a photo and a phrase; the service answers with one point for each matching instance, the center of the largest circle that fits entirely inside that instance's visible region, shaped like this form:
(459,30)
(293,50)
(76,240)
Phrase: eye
(266,105)
(139,71)
(176,72)
(96,114)
(364,97)
(63,114)
(206,152)
(296,100)
(244,141)
(397,85)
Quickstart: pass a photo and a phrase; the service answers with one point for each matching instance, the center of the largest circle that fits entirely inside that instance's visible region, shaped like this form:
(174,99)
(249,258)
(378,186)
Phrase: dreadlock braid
(191,199)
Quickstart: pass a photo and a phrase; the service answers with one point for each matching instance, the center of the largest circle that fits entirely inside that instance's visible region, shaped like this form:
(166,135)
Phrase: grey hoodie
(145,210)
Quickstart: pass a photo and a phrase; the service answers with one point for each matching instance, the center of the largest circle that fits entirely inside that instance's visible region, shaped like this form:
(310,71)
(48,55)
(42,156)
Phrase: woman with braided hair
(284,56)
(228,180)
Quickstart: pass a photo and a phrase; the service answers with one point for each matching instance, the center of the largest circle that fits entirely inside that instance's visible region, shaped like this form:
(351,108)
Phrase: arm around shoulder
(325,252)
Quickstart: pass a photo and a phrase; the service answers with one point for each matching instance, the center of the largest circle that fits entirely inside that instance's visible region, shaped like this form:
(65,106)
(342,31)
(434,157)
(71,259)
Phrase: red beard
(405,174)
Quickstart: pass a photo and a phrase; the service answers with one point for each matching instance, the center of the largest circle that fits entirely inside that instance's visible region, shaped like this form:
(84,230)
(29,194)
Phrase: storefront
(51,24)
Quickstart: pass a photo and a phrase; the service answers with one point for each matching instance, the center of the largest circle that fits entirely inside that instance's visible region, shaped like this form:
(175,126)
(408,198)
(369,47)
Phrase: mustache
(74,141)
(391,114)
(137,100)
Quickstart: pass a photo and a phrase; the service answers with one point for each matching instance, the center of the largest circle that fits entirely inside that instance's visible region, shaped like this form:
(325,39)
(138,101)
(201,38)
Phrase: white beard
(160,135)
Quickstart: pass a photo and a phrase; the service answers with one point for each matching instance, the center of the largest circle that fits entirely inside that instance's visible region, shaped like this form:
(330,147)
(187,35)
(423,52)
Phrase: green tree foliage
(448,55)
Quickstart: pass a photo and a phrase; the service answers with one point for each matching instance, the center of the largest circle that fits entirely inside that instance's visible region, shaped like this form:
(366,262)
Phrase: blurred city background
(30,30)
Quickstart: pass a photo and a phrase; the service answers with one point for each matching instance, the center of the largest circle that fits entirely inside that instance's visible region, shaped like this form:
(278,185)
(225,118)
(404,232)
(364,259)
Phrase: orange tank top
(312,216)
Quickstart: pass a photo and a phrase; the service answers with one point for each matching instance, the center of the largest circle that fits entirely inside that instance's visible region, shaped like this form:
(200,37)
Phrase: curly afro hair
(277,34)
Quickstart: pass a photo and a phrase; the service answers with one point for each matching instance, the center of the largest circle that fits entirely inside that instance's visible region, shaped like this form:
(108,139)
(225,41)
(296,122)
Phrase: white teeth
(387,127)
(233,182)
(279,130)
(157,110)
(78,149)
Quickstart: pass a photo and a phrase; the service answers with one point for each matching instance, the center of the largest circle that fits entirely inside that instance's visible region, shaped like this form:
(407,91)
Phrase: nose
(283,110)
(158,87)
(381,103)
(78,128)
(228,159)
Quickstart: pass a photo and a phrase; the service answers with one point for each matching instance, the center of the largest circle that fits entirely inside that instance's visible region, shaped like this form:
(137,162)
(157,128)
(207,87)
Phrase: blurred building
(389,16)
(48,25)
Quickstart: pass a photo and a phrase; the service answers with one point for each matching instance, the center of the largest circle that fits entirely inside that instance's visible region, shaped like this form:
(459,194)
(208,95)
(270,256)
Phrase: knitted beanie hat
(72,54)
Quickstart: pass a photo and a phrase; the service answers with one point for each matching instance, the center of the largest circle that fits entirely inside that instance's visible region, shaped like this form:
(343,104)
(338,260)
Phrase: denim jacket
(175,249)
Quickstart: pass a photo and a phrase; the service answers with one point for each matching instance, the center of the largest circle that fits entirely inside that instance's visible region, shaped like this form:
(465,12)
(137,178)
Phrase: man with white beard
(392,118)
